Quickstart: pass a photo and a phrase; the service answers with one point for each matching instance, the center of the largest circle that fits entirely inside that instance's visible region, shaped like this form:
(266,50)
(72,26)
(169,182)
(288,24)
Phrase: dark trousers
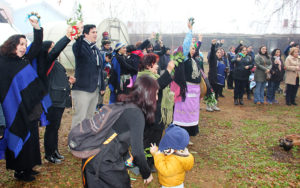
(230,80)
(51,134)
(217,89)
(248,91)
(291,92)
(271,89)
(239,87)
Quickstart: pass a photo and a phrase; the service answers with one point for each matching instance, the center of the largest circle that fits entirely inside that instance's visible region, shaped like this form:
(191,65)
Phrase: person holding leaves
(59,90)
(188,78)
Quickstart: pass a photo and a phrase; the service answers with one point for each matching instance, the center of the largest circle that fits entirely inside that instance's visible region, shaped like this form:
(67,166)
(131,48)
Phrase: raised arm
(36,45)
(212,55)
(187,41)
(60,45)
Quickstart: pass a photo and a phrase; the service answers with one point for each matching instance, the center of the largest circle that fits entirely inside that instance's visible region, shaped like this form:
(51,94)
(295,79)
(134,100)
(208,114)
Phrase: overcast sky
(211,16)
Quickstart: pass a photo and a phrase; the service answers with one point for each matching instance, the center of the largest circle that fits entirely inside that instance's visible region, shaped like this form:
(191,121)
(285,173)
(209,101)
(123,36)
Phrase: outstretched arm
(187,41)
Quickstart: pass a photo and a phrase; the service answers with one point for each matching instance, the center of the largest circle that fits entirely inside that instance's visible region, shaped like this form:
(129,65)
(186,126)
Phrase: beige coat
(291,65)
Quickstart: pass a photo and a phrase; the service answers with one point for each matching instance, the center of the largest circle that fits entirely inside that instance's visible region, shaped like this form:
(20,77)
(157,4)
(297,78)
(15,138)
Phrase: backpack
(85,139)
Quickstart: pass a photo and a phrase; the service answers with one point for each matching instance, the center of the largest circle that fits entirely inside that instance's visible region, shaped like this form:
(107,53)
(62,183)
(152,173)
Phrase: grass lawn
(236,147)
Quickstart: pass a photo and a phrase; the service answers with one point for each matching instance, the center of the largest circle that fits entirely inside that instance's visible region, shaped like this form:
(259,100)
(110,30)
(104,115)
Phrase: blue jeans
(259,92)
(271,89)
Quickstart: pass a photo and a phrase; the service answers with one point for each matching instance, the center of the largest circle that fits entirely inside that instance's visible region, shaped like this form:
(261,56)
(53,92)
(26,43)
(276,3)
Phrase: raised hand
(153,149)
(190,26)
(34,23)
(171,66)
(214,41)
(69,32)
(80,26)
(200,37)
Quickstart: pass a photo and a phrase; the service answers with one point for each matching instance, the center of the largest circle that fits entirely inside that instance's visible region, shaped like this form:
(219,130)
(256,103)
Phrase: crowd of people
(164,96)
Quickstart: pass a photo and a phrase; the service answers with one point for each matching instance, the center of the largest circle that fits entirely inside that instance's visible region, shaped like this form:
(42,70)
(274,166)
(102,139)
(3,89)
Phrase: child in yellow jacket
(172,159)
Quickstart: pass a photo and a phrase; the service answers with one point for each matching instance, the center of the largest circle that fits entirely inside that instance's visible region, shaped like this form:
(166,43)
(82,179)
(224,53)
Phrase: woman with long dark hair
(277,73)
(263,67)
(21,93)
(107,168)
(164,109)
(59,90)
(188,77)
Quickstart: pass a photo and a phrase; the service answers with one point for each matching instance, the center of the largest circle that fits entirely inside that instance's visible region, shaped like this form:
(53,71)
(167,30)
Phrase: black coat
(212,62)
(59,88)
(46,59)
(107,169)
(276,74)
(239,71)
(58,84)
(87,72)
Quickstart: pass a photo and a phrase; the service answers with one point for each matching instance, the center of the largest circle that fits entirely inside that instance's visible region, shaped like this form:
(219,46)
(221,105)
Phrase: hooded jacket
(171,168)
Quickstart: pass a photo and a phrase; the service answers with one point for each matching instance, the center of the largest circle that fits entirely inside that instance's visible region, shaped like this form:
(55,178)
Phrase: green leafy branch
(178,58)
(147,154)
(77,17)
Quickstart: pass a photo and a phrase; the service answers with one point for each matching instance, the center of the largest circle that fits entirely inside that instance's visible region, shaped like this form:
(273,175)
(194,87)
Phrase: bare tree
(284,13)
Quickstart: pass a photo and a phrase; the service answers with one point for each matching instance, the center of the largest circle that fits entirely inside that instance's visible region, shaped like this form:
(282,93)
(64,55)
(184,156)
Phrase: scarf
(278,62)
(94,50)
(167,101)
(241,54)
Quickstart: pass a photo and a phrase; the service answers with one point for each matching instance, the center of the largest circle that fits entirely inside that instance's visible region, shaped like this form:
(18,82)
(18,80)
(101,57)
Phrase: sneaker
(191,143)
(209,109)
(258,103)
(215,108)
(23,176)
(265,102)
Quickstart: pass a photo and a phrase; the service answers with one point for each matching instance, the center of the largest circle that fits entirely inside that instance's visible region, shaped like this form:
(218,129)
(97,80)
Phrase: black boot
(58,155)
(53,159)
(32,172)
(236,102)
(24,176)
(241,102)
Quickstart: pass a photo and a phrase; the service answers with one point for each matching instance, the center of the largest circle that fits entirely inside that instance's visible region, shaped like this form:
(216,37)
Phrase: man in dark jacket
(89,75)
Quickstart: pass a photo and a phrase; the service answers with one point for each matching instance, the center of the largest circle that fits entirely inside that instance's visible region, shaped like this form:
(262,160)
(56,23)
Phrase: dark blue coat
(87,71)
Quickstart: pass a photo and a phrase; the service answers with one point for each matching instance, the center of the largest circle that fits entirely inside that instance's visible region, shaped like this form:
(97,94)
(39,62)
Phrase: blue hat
(175,138)
(119,46)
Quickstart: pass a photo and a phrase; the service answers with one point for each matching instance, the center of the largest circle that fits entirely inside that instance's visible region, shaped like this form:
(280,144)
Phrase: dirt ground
(236,147)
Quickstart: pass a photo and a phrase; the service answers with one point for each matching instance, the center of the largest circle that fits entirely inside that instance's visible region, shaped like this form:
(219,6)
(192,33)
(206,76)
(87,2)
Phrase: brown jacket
(291,65)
